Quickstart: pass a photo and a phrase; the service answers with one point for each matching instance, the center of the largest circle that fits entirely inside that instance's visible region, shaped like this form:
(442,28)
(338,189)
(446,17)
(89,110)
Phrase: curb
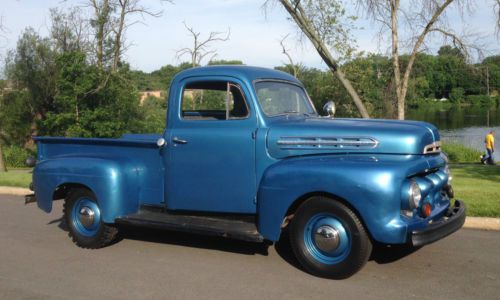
(16,191)
(482,223)
(470,222)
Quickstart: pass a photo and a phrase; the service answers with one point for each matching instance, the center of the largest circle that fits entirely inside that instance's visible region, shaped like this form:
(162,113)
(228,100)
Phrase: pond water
(467,126)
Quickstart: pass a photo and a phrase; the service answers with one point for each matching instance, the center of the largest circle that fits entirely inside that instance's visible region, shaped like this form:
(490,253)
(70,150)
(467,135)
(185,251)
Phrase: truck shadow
(182,239)
(193,240)
(385,254)
(381,254)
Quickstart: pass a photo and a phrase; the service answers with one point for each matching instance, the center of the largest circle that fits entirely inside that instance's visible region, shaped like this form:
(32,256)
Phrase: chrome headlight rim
(414,195)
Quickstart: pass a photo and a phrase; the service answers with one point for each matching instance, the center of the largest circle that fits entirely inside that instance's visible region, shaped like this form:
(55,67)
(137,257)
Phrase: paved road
(38,260)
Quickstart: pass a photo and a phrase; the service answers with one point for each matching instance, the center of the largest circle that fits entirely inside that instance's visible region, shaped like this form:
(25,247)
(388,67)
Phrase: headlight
(415,195)
(447,171)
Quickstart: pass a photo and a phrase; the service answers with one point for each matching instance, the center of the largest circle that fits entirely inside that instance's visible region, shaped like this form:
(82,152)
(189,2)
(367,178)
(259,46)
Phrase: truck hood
(307,136)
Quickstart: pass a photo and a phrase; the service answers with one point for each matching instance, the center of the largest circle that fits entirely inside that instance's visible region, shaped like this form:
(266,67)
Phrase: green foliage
(32,71)
(224,62)
(457,95)
(448,50)
(91,102)
(480,100)
(153,111)
(458,153)
(16,117)
(157,80)
(15,156)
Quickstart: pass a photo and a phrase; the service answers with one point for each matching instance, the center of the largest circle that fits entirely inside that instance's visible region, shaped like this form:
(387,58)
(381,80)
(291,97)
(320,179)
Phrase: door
(211,164)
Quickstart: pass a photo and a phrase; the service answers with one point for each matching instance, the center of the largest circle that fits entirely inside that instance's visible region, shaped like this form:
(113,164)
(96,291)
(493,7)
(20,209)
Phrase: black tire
(353,246)
(101,234)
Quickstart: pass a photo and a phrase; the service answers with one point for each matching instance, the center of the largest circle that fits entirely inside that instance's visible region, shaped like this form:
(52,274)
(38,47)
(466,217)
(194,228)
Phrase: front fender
(370,185)
(113,181)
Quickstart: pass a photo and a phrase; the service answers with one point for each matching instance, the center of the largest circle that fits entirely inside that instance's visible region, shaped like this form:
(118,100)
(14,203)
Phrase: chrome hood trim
(433,148)
(312,136)
(327,142)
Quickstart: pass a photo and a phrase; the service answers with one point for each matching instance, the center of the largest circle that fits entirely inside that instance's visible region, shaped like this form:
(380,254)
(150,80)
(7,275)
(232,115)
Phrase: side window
(213,100)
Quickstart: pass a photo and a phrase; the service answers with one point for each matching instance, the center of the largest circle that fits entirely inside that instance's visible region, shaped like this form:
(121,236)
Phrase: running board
(228,227)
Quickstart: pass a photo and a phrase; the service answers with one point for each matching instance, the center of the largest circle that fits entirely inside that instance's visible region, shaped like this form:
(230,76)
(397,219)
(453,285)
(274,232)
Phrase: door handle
(179,141)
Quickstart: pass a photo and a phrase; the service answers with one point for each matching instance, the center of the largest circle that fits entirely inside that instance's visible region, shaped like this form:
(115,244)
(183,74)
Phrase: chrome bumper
(452,221)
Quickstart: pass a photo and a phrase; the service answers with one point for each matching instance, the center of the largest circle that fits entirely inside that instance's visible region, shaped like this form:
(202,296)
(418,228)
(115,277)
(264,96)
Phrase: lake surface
(467,126)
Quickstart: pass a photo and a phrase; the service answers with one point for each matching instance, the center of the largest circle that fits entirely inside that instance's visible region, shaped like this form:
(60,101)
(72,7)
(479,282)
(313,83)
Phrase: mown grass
(479,187)
(458,153)
(17,178)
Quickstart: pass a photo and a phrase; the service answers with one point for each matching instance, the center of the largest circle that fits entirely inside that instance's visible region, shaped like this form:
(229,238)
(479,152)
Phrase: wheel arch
(301,199)
(63,189)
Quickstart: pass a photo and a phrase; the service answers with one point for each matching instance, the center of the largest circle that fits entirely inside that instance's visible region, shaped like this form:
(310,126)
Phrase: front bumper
(449,223)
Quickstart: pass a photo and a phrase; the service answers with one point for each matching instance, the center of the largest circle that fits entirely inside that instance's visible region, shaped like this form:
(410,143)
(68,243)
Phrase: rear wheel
(328,238)
(83,216)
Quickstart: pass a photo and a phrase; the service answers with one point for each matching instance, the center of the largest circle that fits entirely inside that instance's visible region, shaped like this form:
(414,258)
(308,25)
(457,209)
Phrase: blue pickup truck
(246,156)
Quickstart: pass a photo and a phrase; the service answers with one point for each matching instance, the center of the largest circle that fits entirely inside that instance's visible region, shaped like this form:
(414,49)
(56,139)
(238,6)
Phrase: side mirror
(30,162)
(329,108)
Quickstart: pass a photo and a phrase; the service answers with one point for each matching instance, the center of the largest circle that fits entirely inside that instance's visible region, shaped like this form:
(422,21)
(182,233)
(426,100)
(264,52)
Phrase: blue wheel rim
(344,243)
(87,230)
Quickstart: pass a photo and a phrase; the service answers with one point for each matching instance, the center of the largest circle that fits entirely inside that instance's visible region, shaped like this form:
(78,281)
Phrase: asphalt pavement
(38,260)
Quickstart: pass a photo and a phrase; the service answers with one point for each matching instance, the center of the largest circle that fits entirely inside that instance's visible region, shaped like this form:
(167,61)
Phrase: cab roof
(245,73)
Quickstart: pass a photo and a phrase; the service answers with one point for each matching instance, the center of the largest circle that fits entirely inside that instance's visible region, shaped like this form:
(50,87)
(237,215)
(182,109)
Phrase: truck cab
(245,155)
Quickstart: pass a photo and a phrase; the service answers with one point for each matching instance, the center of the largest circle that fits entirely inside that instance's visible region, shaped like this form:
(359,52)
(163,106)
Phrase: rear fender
(114,182)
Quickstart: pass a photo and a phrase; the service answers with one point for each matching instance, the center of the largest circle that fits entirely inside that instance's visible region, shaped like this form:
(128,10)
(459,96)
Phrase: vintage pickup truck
(246,156)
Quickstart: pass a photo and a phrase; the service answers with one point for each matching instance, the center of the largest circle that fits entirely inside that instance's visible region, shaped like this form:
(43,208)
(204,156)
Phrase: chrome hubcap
(327,238)
(86,216)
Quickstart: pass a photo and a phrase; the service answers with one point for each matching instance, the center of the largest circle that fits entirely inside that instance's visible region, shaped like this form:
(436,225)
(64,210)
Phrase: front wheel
(328,238)
(83,216)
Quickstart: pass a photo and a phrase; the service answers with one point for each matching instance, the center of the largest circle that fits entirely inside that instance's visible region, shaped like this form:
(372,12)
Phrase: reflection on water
(456,117)
(467,126)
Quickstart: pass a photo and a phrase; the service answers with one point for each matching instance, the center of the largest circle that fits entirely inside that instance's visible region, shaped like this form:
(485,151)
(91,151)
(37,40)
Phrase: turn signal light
(426,210)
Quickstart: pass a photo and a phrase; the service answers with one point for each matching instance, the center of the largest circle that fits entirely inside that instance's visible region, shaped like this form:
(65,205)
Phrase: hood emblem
(308,143)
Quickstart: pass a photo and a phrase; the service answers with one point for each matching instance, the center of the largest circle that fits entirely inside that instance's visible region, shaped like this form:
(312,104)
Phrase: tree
(295,67)
(102,27)
(325,24)
(69,30)
(85,108)
(425,18)
(201,48)
(127,8)
(32,71)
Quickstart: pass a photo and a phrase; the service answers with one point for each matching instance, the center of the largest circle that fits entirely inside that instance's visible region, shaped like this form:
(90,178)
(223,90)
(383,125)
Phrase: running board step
(207,225)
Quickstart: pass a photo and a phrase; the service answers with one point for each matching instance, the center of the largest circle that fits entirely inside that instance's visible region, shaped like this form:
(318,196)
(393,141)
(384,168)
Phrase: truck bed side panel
(122,173)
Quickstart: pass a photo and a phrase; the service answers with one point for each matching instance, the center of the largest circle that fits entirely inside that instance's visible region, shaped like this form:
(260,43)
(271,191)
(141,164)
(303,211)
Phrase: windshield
(278,98)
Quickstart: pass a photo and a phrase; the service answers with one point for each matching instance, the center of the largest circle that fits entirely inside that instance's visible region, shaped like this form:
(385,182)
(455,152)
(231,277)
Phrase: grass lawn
(15,177)
(479,187)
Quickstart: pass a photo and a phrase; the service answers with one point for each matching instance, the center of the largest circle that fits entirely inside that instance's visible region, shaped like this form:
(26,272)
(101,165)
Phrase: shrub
(457,95)
(481,100)
(15,157)
(458,153)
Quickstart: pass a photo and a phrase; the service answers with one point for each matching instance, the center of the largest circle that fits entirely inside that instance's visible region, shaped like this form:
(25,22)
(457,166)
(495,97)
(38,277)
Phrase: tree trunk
(119,33)
(304,24)
(102,16)
(2,161)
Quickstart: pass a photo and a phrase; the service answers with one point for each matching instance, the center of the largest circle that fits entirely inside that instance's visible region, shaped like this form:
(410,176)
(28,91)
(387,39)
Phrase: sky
(254,37)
